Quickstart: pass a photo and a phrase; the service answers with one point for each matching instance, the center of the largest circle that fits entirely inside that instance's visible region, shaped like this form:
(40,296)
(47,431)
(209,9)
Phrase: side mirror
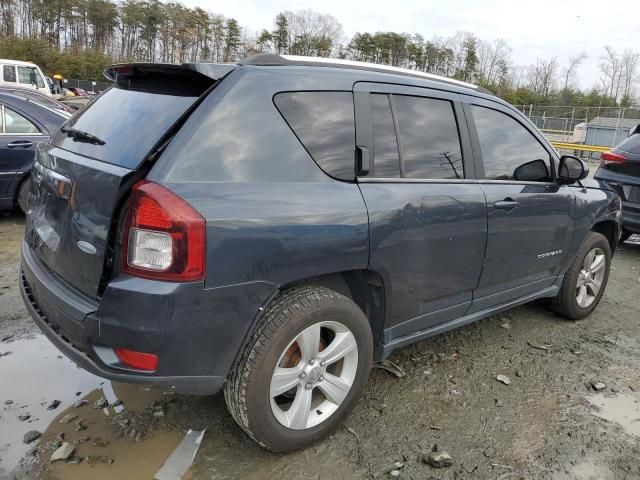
(571,170)
(533,171)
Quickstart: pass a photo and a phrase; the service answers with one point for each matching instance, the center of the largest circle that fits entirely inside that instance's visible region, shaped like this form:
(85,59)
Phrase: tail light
(611,157)
(165,236)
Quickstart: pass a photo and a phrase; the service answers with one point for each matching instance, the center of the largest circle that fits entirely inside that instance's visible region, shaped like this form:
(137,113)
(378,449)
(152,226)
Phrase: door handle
(506,204)
(20,144)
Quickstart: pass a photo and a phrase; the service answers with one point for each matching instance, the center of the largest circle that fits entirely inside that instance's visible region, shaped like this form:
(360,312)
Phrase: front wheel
(586,279)
(303,369)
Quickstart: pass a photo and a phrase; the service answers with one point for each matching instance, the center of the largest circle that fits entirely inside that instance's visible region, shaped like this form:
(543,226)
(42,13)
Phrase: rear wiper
(82,136)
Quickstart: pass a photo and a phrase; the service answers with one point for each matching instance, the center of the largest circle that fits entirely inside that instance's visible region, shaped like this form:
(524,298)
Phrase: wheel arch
(610,230)
(364,287)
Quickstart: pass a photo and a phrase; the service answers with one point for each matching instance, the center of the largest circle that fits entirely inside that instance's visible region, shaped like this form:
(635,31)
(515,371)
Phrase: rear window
(130,122)
(324,124)
(631,144)
(9,73)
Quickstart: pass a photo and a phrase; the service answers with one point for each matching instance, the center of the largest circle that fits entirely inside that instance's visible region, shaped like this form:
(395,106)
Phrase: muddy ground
(548,423)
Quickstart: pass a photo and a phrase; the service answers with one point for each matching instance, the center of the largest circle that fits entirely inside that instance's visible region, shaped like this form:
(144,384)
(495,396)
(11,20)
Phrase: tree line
(78,38)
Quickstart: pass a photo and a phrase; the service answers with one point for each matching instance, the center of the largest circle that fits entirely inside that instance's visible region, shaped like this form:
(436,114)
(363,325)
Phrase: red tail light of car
(165,236)
(611,157)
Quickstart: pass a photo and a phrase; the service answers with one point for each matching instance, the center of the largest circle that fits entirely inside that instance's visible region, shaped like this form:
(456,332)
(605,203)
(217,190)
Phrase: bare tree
(491,57)
(572,67)
(542,75)
(312,33)
(610,69)
(629,74)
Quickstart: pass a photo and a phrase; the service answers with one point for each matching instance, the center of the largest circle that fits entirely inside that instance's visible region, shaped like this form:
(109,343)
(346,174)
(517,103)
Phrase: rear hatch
(82,176)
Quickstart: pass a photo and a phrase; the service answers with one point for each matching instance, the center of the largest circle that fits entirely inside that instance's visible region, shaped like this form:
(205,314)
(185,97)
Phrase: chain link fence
(88,85)
(560,122)
(590,129)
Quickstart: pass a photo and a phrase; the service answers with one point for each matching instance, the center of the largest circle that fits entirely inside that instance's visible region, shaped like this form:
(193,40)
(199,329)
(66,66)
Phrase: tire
(568,302)
(625,235)
(249,388)
(23,194)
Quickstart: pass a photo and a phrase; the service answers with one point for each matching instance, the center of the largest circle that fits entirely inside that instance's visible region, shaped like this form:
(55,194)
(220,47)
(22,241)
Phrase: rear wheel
(585,281)
(303,369)
(23,194)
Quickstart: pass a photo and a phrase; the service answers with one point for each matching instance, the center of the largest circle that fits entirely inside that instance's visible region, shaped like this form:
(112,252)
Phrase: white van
(24,74)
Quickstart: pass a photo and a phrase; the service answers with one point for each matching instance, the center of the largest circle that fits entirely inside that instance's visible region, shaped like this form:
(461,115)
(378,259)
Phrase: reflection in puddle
(622,409)
(35,374)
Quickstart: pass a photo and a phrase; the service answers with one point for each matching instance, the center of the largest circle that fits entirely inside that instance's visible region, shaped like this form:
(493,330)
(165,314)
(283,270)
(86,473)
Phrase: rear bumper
(630,210)
(631,216)
(195,332)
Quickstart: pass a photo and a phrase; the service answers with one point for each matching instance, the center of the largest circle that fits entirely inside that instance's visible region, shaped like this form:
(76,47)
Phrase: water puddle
(34,375)
(130,459)
(621,409)
(586,470)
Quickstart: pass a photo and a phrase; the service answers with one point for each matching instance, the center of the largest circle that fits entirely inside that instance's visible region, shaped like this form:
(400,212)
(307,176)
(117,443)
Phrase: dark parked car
(273,227)
(23,126)
(620,168)
(37,97)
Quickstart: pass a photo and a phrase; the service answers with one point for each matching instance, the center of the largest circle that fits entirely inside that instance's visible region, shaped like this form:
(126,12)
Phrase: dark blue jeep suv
(273,227)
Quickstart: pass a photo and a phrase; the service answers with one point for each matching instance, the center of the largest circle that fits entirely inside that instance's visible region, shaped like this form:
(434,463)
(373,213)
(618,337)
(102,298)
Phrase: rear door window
(18,124)
(386,159)
(324,124)
(429,140)
(509,150)
(128,121)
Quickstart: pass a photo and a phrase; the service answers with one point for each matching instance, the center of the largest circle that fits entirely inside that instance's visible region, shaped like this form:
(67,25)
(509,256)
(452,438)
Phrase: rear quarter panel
(272,214)
(279,232)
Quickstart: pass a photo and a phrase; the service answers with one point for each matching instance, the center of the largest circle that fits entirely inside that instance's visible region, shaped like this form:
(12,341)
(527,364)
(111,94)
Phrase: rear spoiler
(214,71)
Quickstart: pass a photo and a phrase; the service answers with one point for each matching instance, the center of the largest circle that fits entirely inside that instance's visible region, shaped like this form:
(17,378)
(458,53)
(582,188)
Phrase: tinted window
(507,145)
(386,160)
(130,122)
(429,139)
(324,123)
(9,73)
(16,123)
(631,144)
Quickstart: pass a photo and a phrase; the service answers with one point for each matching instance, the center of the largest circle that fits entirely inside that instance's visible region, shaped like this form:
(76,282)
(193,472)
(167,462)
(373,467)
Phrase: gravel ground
(549,422)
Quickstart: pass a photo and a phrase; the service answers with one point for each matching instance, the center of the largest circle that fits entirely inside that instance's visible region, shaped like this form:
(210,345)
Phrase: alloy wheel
(314,375)
(590,277)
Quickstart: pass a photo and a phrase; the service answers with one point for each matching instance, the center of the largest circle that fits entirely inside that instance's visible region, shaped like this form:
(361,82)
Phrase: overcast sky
(542,28)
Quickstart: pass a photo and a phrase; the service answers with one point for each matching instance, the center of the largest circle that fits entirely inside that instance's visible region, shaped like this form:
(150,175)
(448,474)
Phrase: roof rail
(267,59)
